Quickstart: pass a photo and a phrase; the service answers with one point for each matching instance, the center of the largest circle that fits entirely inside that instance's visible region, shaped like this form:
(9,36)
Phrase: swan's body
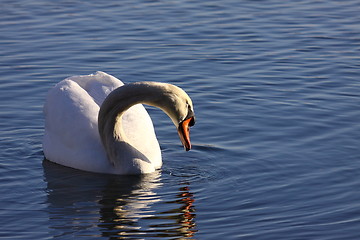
(88,130)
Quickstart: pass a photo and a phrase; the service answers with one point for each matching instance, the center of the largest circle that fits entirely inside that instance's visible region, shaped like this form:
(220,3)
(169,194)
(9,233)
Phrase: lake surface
(276,89)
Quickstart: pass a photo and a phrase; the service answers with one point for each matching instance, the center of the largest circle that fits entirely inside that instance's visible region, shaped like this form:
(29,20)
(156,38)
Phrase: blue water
(276,89)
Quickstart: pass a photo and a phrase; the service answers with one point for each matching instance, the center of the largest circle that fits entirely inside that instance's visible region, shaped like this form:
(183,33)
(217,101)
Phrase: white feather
(71,125)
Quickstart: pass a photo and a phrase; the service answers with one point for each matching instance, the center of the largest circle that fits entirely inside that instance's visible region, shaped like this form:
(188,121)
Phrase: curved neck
(112,109)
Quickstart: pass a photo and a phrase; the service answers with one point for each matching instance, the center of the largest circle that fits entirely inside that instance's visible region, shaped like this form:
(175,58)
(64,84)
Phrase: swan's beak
(184,132)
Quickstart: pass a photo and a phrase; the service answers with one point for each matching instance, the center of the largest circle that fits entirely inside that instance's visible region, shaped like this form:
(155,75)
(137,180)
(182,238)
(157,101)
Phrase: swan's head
(183,117)
(178,106)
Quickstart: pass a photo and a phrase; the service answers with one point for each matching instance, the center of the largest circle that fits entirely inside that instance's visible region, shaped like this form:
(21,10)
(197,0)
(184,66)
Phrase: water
(276,145)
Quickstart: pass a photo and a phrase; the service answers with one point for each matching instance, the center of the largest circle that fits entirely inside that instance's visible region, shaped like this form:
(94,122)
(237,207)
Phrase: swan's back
(97,85)
(71,124)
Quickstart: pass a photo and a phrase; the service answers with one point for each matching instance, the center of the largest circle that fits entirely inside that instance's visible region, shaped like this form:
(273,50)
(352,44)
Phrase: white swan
(118,137)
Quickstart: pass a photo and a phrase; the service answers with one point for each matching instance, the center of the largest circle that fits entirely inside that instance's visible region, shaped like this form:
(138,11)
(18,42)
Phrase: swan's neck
(119,150)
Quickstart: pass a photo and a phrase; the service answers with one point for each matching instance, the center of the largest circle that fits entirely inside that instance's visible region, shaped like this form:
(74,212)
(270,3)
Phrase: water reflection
(83,204)
(184,215)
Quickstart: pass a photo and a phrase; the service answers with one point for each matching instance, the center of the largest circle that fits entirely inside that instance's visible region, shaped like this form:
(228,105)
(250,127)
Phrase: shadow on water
(82,204)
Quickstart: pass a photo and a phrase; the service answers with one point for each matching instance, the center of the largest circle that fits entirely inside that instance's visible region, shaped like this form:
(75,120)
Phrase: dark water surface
(276,88)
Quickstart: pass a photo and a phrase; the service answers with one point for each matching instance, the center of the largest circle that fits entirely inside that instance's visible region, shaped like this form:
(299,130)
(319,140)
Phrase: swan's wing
(139,130)
(71,127)
(71,132)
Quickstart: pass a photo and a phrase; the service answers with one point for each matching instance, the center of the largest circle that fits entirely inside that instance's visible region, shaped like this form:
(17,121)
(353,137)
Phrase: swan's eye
(189,107)
(190,115)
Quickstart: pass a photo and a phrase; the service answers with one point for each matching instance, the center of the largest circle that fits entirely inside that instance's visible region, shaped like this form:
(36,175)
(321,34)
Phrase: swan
(96,123)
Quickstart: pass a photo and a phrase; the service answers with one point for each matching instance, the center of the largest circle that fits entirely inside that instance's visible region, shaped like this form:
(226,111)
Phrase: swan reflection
(184,215)
(117,207)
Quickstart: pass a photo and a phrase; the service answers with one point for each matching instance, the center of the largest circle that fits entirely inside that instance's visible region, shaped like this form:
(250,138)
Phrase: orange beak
(184,132)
